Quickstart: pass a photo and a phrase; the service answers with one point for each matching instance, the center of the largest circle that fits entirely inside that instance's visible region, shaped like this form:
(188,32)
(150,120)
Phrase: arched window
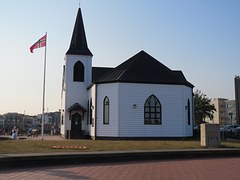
(106,110)
(78,72)
(188,112)
(152,111)
(90,112)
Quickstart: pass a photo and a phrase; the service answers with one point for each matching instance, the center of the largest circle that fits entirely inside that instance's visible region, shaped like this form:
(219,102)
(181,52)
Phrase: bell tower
(77,76)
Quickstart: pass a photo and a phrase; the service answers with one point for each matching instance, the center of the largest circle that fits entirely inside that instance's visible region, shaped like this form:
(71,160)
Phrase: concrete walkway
(45,137)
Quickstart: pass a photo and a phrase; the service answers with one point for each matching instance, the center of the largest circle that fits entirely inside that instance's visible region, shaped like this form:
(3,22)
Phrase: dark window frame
(152,111)
(90,113)
(78,72)
(106,110)
(189,112)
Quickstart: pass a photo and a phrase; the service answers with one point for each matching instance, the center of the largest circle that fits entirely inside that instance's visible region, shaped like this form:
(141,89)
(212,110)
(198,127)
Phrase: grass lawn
(39,146)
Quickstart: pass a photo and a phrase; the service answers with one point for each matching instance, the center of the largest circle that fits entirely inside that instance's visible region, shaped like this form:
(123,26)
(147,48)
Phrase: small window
(152,111)
(106,110)
(90,113)
(188,112)
(78,72)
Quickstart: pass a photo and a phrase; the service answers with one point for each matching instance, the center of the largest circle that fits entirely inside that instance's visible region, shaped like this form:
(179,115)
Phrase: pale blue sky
(199,37)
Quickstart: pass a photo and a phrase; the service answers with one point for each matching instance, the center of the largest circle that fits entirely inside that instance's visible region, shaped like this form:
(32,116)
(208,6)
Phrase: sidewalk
(45,137)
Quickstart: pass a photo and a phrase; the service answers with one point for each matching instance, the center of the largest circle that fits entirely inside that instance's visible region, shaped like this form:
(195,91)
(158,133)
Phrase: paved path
(39,137)
(192,169)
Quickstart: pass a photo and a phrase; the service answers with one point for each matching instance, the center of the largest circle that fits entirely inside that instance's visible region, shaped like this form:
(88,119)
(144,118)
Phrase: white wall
(75,92)
(188,94)
(62,116)
(126,121)
(92,95)
(111,91)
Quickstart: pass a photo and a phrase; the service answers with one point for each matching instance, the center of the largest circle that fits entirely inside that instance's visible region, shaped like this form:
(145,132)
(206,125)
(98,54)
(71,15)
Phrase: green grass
(231,144)
(36,146)
(39,146)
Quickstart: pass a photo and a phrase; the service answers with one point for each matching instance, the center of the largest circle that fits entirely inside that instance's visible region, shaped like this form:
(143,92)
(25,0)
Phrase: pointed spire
(78,45)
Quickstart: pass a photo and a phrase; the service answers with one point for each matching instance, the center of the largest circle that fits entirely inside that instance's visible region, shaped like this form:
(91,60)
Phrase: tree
(203,107)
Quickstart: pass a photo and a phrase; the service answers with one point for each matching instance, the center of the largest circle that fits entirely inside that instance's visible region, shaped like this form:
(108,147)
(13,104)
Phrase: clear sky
(199,37)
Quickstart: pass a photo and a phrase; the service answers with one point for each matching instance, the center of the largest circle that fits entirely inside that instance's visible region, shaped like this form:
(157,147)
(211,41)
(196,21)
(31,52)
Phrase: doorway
(76,126)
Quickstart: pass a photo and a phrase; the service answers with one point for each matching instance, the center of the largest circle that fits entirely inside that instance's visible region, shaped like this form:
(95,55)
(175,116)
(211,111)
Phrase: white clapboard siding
(92,95)
(188,95)
(111,91)
(75,92)
(128,121)
(69,64)
(63,127)
(132,120)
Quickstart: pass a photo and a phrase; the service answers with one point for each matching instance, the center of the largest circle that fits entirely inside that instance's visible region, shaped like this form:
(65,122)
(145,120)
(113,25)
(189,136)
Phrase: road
(192,169)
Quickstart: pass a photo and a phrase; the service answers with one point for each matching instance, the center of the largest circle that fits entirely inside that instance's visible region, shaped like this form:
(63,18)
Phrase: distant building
(51,122)
(52,118)
(237,97)
(24,122)
(13,119)
(225,112)
(1,123)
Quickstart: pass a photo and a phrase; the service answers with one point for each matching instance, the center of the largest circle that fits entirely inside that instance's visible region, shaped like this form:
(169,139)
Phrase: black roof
(78,45)
(76,107)
(97,72)
(141,68)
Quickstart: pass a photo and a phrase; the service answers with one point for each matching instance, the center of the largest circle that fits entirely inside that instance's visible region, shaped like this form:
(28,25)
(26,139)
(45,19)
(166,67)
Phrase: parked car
(229,128)
(237,130)
(222,129)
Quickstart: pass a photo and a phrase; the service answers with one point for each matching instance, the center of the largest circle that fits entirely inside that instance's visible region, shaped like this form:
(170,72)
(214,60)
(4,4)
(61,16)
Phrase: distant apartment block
(24,122)
(237,97)
(225,112)
(1,123)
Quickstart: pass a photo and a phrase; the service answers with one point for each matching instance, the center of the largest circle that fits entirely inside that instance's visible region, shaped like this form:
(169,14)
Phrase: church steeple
(78,45)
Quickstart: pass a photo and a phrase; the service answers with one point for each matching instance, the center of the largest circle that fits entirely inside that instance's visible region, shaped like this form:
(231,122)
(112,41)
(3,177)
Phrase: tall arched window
(152,111)
(106,110)
(188,112)
(90,112)
(78,72)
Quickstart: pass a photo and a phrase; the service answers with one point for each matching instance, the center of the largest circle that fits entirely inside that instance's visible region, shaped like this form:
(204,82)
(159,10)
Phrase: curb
(30,160)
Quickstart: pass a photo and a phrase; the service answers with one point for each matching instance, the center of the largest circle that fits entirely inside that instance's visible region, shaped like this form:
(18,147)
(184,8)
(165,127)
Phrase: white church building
(140,98)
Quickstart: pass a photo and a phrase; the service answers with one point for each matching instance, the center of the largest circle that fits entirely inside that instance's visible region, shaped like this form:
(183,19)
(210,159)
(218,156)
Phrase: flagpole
(44,77)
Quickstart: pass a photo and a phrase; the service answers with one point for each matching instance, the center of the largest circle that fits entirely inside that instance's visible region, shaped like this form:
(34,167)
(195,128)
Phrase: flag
(40,43)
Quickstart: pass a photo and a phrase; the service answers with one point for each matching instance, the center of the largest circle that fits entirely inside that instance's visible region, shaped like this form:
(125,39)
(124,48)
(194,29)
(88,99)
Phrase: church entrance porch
(76,126)
(76,113)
